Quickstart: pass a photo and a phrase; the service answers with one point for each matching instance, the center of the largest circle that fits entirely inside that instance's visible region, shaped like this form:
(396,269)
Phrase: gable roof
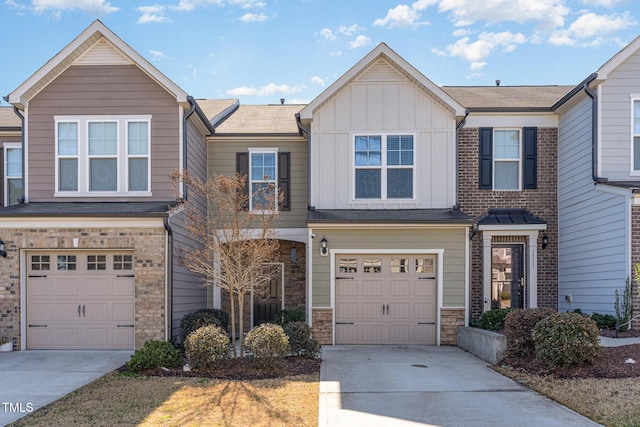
(96,44)
(618,58)
(261,119)
(9,119)
(385,52)
(507,97)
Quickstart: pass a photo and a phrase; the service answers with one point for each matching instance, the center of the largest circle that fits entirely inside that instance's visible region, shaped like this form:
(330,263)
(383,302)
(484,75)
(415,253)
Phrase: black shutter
(485,179)
(284,179)
(530,160)
(242,168)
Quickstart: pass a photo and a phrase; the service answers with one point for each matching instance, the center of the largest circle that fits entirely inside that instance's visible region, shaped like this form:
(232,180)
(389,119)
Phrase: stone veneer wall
(541,202)
(450,319)
(322,328)
(147,244)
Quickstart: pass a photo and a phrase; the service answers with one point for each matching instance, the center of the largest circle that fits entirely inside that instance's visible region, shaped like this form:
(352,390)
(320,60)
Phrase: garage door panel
(98,337)
(424,333)
(67,312)
(97,312)
(371,311)
(347,311)
(400,311)
(425,311)
(66,287)
(67,337)
(347,334)
(347,288)
(400,334)
(122,337)
(40,287)
(371,333)
(399,288)
(122,312)
(371,288)
(425,288)
(41,312)
(122,287)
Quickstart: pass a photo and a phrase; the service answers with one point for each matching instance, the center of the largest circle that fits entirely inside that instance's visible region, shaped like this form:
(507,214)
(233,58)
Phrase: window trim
(632,170)
(520,158)
(262,150)
(5,184)
(83,157)
(384,167)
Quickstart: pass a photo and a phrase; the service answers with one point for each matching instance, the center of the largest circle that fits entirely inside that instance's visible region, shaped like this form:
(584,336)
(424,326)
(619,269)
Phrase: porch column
(533,270)
(486,270)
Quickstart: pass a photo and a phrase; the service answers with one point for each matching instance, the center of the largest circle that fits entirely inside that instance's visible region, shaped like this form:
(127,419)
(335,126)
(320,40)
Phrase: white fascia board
(511,120)
(378,226)
(618,58)
(508,230)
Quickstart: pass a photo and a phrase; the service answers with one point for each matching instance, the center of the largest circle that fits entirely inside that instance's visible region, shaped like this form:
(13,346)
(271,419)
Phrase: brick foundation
(322,328)
(147,245)
(450,319)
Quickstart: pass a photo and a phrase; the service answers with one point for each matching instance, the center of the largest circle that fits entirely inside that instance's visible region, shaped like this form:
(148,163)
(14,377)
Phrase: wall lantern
(324,251)
(3,253)
(545,241)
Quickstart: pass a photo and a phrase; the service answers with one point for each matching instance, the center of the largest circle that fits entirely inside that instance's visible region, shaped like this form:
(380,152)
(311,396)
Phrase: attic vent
(102,52)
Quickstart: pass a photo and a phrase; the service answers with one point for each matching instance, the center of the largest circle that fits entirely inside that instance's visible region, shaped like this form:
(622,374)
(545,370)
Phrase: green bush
(566,339)
(207,346)
(267,345)
(518,327)
(155,354)
(493,320)
(204,317)
(604,321)
(301,342)
(289,315)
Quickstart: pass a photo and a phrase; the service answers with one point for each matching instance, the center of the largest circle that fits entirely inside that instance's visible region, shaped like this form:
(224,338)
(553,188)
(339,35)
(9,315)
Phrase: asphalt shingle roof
(413,216)
(507,96)
(79,209)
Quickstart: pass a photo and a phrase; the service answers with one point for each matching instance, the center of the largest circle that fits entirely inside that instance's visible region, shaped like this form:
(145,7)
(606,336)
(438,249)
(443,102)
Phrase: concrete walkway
(427,386)
(32,379)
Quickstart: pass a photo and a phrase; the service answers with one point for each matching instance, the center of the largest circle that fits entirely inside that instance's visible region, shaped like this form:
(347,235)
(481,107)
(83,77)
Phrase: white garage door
(80,300)
(385,299)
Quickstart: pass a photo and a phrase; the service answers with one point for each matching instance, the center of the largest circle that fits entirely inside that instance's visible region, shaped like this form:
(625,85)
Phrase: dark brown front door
(266,306)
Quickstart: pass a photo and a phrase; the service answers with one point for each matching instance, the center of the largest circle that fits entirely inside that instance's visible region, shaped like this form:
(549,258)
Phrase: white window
(635,143)
(103,156)
(506,159)
(13,173)
(263,179)
(383,167)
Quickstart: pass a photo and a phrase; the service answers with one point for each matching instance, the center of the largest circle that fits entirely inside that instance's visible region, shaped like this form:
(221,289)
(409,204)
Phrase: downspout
(22,153)
(192,109)
(169,304)
(460,126)
(594,130)
(304,130)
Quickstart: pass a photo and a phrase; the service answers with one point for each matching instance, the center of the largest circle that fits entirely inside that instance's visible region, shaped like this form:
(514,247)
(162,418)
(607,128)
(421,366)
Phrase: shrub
(518,327)
(566,339)
(207,346)
(301,342)
(624,310)
(204,317)
(155,354)
(289,315)
(268,345)
(604,321)
(493,320)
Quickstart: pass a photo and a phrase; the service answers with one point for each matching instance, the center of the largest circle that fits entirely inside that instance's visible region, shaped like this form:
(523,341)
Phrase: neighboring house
(599,185)
(90,241)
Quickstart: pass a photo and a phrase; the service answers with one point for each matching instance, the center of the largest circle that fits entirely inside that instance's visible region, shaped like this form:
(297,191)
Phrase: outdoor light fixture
(3,253)
(323,247)
(545,241)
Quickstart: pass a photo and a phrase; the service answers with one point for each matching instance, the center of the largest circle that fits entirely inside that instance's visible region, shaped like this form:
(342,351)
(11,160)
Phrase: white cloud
(603,3)
(591,26)
(156,55)
(189,5)
(475,52)
(152,14)
(318,81)
(193,73)
(268,90)
(350,30)
(98,7)
(404,16)
(328,34)
(360,41)
(336,53)
(547,13)
(253,17)
(248,4)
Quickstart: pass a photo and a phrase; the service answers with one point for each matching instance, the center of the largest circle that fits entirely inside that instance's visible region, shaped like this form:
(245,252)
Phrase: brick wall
(635,259)
(541,202)
(147,244)
(450,319)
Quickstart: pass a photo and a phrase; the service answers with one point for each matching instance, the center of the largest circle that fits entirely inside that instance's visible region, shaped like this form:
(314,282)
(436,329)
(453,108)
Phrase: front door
(507,276)
(267,305)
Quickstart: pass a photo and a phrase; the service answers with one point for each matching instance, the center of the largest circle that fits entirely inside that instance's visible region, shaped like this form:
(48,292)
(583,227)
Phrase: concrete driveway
(32,379)
(427,386)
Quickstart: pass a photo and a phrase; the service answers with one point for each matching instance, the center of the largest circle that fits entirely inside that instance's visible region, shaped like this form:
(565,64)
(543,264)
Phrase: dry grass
(609,401)
(117,400)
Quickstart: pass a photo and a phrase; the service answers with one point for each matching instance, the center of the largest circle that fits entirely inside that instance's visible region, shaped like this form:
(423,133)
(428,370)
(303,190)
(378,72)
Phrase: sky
(260,51)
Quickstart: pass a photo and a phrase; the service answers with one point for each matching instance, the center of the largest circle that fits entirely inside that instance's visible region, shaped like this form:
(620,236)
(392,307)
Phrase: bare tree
(237,244)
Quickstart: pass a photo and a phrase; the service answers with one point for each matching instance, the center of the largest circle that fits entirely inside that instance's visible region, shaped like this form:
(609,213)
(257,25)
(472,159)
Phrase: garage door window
(400,265)
(348,265)
(372,265)
(123,262)
(97,262)
(40,262)
(67,263)
(424,265)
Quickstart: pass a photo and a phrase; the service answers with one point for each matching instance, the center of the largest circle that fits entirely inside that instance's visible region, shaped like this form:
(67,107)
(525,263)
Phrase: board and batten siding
(222,161)
(616,119)
(102,90)
(382,101)
(452,240)
(592,248)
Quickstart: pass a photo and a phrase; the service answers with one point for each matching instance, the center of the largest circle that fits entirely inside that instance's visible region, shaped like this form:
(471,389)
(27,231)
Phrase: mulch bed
(609,364)
(242,369)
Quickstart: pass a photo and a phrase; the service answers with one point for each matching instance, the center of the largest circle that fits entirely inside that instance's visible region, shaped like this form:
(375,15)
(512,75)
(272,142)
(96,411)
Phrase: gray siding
(452,240)
(615,119)
(222,160)
(593,224)
(102,90)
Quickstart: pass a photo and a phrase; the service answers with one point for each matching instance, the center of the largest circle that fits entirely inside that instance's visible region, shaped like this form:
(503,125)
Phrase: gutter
(169,307)
(303,130)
